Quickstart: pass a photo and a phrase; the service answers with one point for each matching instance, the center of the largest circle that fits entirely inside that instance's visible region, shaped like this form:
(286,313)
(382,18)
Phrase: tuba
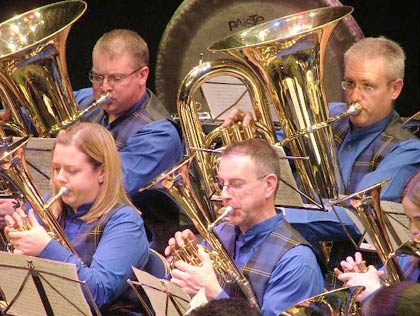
(366,204)
(33,69)
(176,182)
(281,62)
(13,167)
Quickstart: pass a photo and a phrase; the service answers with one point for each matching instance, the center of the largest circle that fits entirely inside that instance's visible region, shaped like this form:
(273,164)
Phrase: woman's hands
(25,234)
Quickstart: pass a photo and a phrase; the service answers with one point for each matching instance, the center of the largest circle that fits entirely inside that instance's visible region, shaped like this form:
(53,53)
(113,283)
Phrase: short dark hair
(399,299)
(261,152)
(226,307)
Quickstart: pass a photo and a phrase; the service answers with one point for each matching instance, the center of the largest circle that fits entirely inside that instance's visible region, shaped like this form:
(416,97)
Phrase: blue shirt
(399,165)
(150,151)
(296,276)
(123,244)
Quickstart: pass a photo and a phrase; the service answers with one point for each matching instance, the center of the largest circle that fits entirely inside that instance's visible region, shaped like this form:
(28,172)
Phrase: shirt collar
(371,129)
(81,210)
(264,227)
(130,111)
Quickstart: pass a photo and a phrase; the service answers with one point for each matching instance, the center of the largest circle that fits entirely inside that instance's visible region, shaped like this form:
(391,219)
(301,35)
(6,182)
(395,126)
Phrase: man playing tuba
(371,146)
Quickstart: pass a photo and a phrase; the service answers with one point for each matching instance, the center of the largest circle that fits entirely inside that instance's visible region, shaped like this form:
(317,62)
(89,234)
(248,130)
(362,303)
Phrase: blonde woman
(96,215)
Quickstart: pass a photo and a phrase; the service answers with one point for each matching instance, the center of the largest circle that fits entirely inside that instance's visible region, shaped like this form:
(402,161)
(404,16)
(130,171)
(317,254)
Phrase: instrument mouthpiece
(228,211)
(61,191)
(354,109)
(103,99)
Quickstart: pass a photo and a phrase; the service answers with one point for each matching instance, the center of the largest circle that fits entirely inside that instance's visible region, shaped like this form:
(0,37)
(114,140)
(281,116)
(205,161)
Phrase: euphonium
(13,167)
(366,203)
(176,182)
(33,70)
(281,62)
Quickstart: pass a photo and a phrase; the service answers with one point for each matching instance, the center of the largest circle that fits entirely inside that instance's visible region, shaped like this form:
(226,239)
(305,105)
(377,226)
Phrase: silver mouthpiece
(228,211)
(61,191)
(354,109)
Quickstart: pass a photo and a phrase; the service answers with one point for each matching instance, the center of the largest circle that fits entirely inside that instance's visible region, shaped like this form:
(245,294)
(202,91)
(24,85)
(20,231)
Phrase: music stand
(165,298)
(36,286)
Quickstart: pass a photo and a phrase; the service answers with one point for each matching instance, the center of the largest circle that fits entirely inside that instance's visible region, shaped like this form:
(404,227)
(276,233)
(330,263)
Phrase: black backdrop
(397,20)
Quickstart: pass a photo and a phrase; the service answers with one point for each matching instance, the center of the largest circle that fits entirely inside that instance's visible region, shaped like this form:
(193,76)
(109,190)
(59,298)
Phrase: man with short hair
(371,146)
(280,265)
(147,140)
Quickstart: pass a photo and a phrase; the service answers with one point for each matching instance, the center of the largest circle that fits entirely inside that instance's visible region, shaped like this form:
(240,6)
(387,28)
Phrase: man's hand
(238,115)
(193,278)
(178,241)
(356,264)
(370,280)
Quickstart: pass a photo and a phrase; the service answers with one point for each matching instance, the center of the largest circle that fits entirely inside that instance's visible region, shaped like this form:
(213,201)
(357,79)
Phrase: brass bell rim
(252,36)
(39,37)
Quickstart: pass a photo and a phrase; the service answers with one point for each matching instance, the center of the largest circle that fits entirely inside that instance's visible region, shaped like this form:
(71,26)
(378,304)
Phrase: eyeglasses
(349,85)
(236,185)
(112,79)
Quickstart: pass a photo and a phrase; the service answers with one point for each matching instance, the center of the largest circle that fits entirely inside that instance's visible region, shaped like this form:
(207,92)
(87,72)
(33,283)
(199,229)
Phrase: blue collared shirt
(296,276)
(399,165)
(147,153)
(123,245)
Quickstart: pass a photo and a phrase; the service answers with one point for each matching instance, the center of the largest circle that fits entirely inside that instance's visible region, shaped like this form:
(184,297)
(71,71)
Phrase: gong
(196,24)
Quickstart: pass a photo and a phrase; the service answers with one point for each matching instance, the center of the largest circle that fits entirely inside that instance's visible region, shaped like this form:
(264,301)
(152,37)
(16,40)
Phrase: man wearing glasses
(371,146)
(280,265)
(147,140)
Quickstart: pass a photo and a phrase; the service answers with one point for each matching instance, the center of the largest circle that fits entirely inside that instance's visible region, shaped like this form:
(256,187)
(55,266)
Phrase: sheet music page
(38,155)
(157,290)
(224,93)
(58,279)
(286,196)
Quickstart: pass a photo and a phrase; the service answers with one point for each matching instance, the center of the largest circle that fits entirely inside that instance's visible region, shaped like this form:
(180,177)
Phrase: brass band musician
(106,230)
(351,273)
(280,265)
(371,146)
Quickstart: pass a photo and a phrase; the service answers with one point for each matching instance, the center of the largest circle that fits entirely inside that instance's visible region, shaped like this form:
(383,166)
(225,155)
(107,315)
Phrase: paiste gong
(198,23)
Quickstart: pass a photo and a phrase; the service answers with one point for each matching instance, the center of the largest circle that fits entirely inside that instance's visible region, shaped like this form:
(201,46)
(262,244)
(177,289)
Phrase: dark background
(398,20)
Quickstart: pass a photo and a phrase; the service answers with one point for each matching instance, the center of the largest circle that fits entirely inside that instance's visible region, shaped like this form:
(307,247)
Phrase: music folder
(160,295)
(39,287)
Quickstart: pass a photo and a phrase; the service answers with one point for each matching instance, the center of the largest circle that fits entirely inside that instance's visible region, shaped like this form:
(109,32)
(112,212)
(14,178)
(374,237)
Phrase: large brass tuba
(13,167)
(281,62)
(366,204)
(177,183)
(33,69)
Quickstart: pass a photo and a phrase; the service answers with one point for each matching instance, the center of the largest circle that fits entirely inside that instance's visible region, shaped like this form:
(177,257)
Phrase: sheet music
(38,155)
(286,195)
(224,91)
(158,291)
(59,280)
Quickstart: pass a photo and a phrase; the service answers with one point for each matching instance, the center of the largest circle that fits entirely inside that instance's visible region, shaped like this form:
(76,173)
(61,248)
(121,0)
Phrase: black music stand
(35,286)
(159,297)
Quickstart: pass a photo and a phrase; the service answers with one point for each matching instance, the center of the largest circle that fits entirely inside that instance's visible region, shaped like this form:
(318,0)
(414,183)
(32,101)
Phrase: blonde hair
(121,41)
(380,47)
(98,144)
